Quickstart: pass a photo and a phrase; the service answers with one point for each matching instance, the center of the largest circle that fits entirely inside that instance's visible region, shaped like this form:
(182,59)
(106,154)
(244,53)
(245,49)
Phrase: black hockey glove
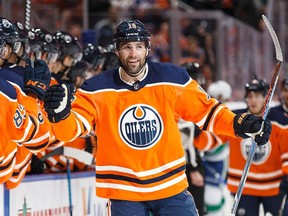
(36,78)
(284,185)
(57,102)
(37,166)
(247,125)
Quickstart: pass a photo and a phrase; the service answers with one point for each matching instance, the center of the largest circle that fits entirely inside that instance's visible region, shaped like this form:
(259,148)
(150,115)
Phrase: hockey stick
(281,210)
(27,14)
(69,187)
(78,154)
(57,151)
(279,58)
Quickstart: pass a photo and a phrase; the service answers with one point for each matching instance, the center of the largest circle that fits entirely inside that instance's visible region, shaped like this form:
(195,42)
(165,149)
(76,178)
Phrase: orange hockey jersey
(268,165)
(8,151)
(20,128)
(24,122)
(140,154)
(23,157)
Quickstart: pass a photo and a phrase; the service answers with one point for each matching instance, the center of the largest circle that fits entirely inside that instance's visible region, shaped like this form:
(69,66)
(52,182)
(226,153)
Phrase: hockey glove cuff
(37,78)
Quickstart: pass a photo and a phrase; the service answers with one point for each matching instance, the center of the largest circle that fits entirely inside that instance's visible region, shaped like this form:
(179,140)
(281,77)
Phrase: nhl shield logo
(140,126)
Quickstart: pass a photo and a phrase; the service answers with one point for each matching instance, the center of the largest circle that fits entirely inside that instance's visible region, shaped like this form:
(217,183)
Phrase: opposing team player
(215,161)
(283,108)
(269,163)
(194,165)
(134,110)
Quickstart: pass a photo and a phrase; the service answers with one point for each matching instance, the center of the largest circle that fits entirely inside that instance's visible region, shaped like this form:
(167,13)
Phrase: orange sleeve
(204,111)
(7,159)
(32,127)
(23,157)
(80,121)
(206,141)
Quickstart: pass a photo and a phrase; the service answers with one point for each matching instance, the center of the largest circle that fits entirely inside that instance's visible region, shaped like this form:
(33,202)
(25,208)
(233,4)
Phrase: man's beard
(132,71)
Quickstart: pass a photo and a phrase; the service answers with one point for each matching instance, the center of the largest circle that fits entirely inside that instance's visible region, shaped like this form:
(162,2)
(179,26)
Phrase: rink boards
(47,194)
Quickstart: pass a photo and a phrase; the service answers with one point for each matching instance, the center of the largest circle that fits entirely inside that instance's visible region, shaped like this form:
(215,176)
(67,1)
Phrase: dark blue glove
(247,125)
(36,78)
(284,185)
(57,102)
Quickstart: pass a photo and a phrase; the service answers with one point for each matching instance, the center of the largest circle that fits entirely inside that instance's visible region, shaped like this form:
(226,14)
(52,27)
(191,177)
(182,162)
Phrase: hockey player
(193,140)
(17,40)
(43,46)
(71,52)
(194,166)
(94,55)
(22,123)
(23,53)
(283,109)
(32,79)
(10,38)
(134,110)
(215,161)
(268,164)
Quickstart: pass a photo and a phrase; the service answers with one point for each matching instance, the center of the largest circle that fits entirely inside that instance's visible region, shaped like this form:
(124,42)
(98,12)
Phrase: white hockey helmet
(220,89)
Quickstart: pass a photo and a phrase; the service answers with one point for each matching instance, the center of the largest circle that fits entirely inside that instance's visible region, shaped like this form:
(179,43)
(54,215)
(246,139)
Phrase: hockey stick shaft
(281,210)
(27,14)
(266,107)
(69,187)
(57,151)
(78,154)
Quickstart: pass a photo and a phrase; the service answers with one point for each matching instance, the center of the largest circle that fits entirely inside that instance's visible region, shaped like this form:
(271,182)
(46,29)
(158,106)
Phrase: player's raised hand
(247,125)
(37,78)
(57,102)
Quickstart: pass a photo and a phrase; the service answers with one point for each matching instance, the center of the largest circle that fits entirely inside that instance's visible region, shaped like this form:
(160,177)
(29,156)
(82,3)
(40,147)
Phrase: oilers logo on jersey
(140,126)
(261,152)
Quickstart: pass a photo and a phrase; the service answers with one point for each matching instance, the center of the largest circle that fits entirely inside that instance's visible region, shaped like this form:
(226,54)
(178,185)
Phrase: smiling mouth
(133,61)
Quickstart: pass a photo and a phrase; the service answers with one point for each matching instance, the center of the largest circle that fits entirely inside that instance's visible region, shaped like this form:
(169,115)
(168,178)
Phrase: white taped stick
(266,107)
(27,14)
(78,154)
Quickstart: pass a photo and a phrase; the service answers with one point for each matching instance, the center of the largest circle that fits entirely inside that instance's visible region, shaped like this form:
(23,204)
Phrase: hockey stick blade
(266,107)
(78,154)
(279,55)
